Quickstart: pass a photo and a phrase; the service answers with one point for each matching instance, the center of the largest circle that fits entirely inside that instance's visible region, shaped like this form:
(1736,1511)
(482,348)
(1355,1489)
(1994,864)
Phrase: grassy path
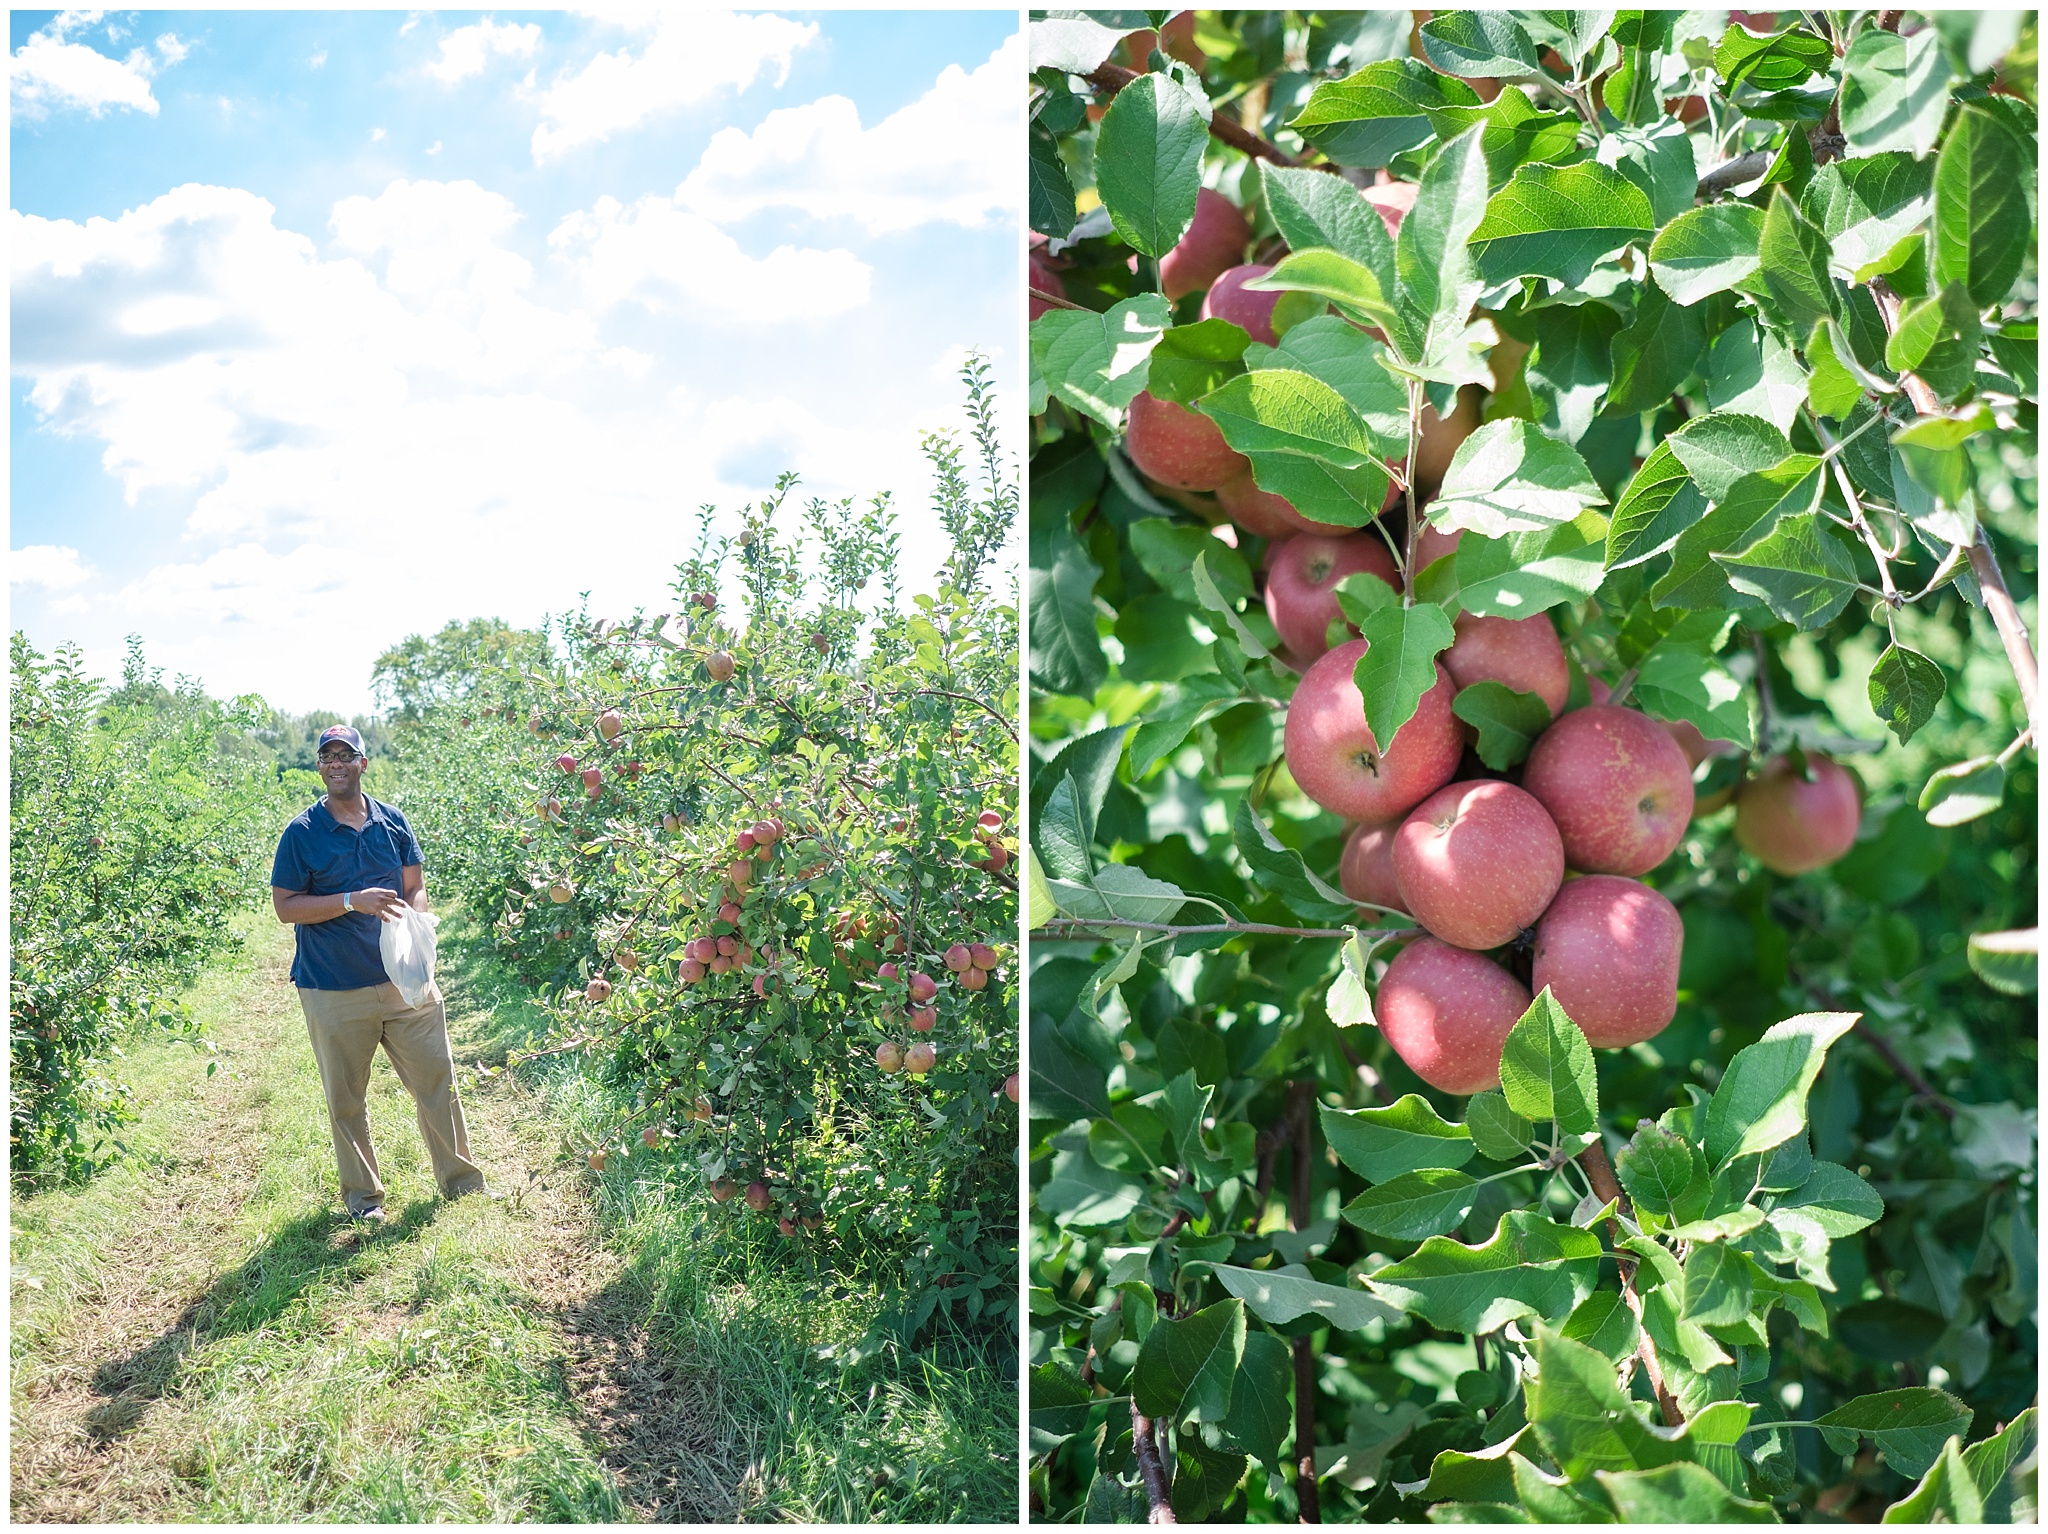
(200,1336)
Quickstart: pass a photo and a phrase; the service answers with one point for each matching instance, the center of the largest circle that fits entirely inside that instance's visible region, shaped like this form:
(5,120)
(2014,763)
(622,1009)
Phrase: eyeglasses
(341,758)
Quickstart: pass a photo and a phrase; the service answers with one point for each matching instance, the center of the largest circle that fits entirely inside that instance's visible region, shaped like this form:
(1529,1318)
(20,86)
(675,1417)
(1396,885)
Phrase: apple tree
(1532,778)
(759,866)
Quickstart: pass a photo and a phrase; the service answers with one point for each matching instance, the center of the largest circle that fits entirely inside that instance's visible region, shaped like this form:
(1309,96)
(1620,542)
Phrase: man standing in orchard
(343,867)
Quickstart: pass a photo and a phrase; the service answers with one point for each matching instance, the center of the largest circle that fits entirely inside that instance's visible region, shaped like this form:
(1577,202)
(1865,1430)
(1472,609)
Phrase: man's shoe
(370,1217)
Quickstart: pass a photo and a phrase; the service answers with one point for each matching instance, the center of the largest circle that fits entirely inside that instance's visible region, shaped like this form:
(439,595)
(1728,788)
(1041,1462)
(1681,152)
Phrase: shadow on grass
(267,1283)
(494,1012)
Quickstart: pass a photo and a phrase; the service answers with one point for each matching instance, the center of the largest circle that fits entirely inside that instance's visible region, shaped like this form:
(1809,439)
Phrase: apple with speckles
(1301,585)
(1478,862)
(1334,758)
(1447,1013)
(1608,950)
(1617,785)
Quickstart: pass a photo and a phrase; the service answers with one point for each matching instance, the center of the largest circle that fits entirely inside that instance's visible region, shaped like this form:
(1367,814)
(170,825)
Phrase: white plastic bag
(408,948)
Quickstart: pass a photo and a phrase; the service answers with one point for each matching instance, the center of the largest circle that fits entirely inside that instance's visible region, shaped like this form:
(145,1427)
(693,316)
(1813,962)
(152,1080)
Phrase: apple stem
(1621,688)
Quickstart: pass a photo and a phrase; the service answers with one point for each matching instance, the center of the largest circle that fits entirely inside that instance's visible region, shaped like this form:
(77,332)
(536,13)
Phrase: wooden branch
(1600,1173)
(1111,78)
(1302,1111)
(1076,927)
(1055,300)
(1150,1470)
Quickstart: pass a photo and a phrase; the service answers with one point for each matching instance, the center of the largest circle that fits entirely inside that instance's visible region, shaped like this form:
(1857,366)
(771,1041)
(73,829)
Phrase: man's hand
(385,904)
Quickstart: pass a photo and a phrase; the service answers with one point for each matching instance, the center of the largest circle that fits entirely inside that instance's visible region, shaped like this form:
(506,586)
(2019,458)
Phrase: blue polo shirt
(318,855)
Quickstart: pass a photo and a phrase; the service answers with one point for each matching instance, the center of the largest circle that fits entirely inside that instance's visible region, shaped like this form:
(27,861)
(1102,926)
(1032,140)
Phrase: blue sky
(330,327)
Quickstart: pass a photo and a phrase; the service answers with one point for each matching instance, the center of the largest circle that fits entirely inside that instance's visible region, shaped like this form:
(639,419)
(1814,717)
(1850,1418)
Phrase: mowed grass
(199,1336)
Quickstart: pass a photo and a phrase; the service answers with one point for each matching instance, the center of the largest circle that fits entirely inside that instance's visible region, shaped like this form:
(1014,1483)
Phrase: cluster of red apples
(1545,871)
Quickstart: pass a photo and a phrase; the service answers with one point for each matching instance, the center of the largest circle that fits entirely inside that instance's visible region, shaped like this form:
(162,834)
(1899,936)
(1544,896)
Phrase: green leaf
(1658,504)
(1528,573)
(1908,1426)
(1866,206)
(1582,1417)
(1369,117)
(1680,682)
(1051,194)
(1261,1409)
(1118,892)
(1761,1101)
(1559,222)
(1380,1144)
(1631,90)
(1081,1192)
(1894,92)
(1414,1205)
(1281,869)
(1754,504)
(1314,209)
(1190,360)
(1966,791)
(1981,220)
(2008,962)
(1679,1494)
(1531,1267)
(1066,654)
(1320,490)
(1546,1069)
(1479,43)
(1831,388)
(1604,1323)
(1839,1201)
(1097,362)
(1434,256)
(1663,1173)
(1707,250)
(1059,1406)
(1399,664)
(1717,1285)
(1750,370)
(1498,1132)
(1946,1494)
(1793,265)
(1718,449)
(1334,350)
(1770,62)
(1351,285)
(1658,352)
(1280,411)
(1348,1001)
(1281,1295)
(1186,1367)
(1482,1476)
(1508,721)
(1571,364)
(1515,133)
(1991,1462)
(1203,1478)
(1148,162)
(1905,686)
(1800,569)
(1657,157)
(1508,477)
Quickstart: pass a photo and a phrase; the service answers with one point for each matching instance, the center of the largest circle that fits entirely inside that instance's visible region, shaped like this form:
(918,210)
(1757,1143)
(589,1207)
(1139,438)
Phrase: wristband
(348,901)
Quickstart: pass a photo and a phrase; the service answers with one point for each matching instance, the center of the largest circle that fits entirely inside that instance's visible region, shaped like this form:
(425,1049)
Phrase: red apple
(744,841)
(598,989)
(723,1189)
(889,1057)
(1010,1087)
(1336,761)
(593,777)
(920,1058)
(1478,862)
(1608,949)
(1259,512)
(974,979)
(566,762)
(1178,446)
(1522,653)
(1251,311)
(1792,826)
(984,957)
(1447,1011)
(1431,544)
(610,724)
(1391,201)
(958,958)
(1214,243)
(1366,870)
(758,1197)
(1301,585)
(719,665)
(925,1019)
(891,972)
(988,823)
(786,1225)
(765,833)
(740,872)
(721,965)
(923,988)
(1616,784)
(692,970)
(1047,279)
(729,914)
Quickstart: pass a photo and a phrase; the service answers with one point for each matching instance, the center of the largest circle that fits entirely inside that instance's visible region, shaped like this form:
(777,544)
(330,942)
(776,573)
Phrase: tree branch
(1302,1111)
(1111,78)
(1600,1173)
(1076,927)
(1150,1470)
(1054,300)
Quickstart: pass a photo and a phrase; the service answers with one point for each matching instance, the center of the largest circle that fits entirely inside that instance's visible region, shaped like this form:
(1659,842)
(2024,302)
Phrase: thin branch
(1922,1087)
(1600,1177)
(1302,1110)
(1111,78)
(1079,928)
(1150,1470)
(2012,628)
(1763,693)
(1053,300)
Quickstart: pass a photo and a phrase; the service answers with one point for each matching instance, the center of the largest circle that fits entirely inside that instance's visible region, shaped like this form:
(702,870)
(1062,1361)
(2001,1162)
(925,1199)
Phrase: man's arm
(296,909)
(414,878)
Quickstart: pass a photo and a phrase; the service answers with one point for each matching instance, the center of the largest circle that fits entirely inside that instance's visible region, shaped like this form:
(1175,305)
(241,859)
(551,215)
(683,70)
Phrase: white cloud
(410,423)
(171,49)
(318,60)
(948,157)
(48,74)
(467,51)
(691,57)
(669,259)
(53,567)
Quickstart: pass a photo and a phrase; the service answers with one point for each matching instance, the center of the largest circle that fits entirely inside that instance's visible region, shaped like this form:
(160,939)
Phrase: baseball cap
(345,735)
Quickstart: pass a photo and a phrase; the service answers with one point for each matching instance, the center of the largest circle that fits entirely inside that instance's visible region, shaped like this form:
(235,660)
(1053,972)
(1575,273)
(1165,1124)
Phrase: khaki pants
(346,1027)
